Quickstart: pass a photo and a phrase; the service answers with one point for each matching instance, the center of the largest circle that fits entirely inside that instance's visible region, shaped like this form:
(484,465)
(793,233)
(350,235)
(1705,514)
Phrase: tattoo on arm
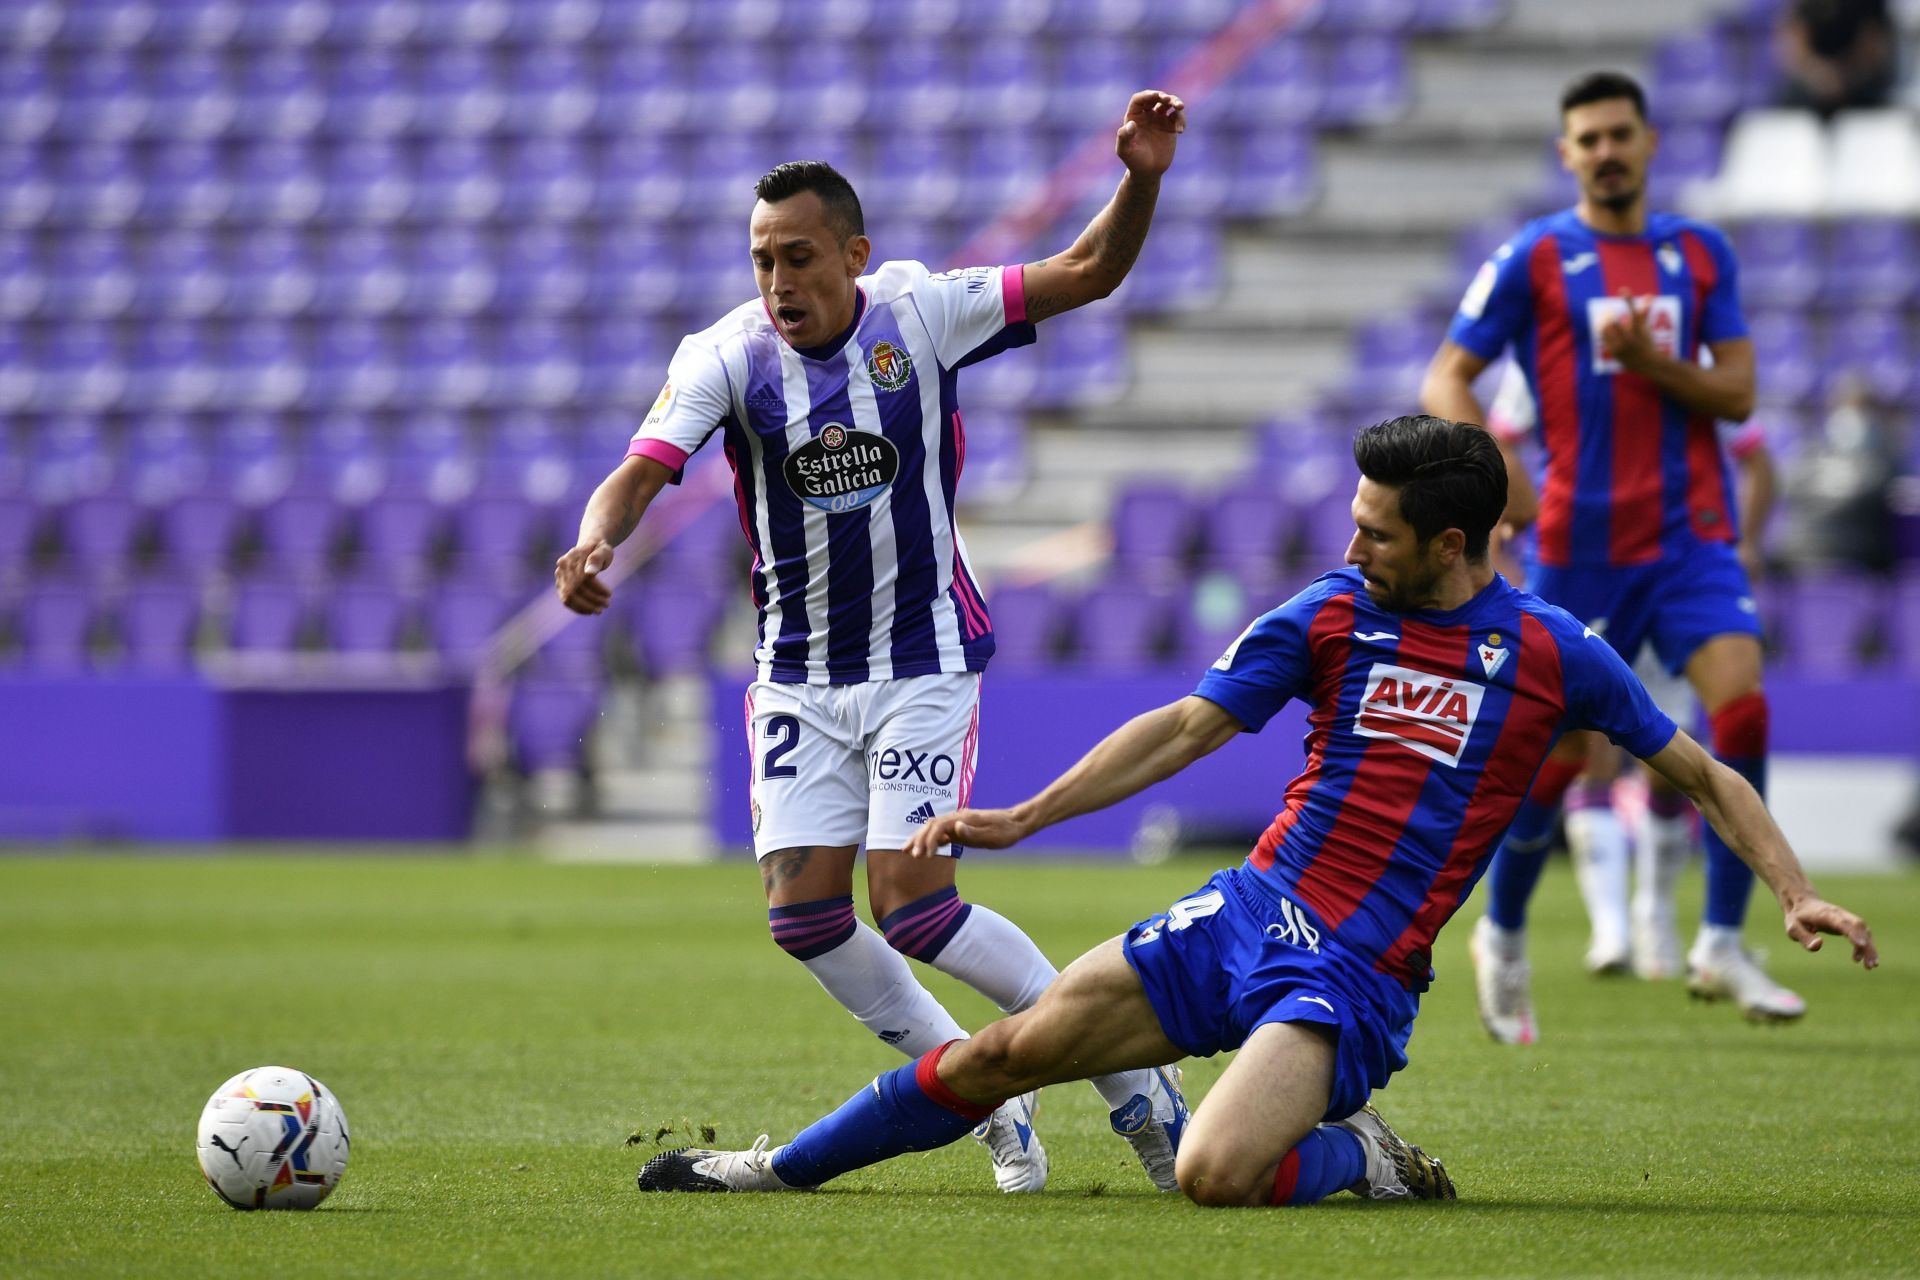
(1040,306)
(1117,234)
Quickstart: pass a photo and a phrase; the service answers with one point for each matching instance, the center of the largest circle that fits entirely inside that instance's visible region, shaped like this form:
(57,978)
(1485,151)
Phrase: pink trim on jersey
(968,749)
(1013,292)
(1747,441)
(669,456)
(959,445)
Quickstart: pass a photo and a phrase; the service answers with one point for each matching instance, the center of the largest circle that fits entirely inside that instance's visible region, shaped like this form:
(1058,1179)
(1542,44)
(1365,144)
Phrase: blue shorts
(1224,961)
(1678,602)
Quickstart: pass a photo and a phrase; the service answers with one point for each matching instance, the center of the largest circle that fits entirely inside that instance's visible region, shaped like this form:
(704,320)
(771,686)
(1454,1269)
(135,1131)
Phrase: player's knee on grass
(1217,1180)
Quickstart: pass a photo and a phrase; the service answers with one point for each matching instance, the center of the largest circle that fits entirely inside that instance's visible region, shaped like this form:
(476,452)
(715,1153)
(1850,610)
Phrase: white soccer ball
(273,1138)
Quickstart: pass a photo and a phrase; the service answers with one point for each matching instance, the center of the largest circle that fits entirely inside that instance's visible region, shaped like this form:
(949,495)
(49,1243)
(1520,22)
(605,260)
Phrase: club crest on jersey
(841,469)
(1669,256)
(1433,715)
(889,366)
(1492,656)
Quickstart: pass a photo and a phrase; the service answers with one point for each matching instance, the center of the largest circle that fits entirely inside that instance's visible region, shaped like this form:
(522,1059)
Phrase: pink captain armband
(1013,292)
(674,459)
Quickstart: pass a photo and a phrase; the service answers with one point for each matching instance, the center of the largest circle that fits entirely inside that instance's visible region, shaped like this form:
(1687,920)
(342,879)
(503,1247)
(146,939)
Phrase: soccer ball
(273,1138)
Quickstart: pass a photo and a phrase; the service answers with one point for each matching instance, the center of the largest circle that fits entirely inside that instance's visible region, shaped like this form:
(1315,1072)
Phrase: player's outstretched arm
(1100,259)
(1141,752)
(613,512)
(1734,808)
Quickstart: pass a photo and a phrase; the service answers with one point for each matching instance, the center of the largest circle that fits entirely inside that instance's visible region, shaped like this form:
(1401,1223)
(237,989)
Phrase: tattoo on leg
(782,865)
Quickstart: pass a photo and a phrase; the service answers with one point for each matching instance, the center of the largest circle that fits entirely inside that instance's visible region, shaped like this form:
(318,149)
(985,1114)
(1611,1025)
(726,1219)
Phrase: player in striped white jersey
(834,394)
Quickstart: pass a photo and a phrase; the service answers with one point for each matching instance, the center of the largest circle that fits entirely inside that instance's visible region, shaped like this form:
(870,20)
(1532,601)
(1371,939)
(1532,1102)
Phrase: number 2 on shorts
(787,730)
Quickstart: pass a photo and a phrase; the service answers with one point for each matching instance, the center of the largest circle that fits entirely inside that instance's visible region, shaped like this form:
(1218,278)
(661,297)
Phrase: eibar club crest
(1492,656)
(889,366)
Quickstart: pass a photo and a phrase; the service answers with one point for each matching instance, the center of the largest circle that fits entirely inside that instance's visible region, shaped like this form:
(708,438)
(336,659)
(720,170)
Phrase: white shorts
(848,764)
(1671,693)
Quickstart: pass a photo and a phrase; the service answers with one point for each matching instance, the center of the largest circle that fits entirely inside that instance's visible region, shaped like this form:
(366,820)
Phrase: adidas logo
(923,815)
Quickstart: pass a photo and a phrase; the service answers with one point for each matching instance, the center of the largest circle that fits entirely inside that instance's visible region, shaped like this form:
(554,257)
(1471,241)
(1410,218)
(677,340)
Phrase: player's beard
(1620,201)
(1416,591)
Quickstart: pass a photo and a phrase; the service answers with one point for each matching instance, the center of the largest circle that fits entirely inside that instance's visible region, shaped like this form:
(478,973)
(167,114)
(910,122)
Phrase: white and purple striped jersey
(845,459)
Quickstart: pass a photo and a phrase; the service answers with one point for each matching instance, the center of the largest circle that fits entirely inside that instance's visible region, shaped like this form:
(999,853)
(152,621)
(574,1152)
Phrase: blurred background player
(1607,307)
(834,392)
(1637,928)
(1436,690)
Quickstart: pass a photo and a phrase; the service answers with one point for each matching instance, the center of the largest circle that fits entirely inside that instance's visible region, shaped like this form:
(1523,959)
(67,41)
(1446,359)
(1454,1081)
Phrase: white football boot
(1153,1123)
(696,1169)
(1723,969)
(1503,983)
(1396,1170)
(1019,1161)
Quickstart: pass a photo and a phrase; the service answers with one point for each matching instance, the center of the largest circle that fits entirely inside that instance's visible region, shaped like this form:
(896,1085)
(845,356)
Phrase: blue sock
(1729,880)
(1327,1160)
(1517,866)
(907,1109)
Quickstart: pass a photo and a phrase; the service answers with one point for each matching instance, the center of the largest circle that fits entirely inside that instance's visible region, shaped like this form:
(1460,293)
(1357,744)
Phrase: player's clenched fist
(576,577)
(1146,139)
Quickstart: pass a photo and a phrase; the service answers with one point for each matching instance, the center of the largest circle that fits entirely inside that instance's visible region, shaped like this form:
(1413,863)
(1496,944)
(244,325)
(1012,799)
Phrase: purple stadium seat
(180,276)
(1697,77)
(1026,627)
(1251,525)
(721,186)
(23,288)
(1826,622)
(79,369)
(457,182)
(638,270)
(433,455)
(90,276)
(646,81)
(1390,356)
(30,24)
(459,94)
(101,96)
(298,534)
(537,361)
(158,621)
(292,24)
(640,179)
(452,273)
(20,523)
(275,181)
(1273,172)
(1153,529)
(1207,164)
(994,454)
(73,457)
(196,24)
(443,365)
(100,530)
(542,272)
(626,363)
(97,184)
(266,616)
(279,93)
(190,95)
(740,82)
(368,96)
(32,105)
(1086,359)
(550,88)
(366,617)
(352,366)
(913,172)
(359,274)
(268,274)
(358,24)
(1279,84)
(165,458)
(1383,16)
(463,616)
(198,531)
(1688,153)
(170,368)
(1003,166)
(1122,625)
(1783,355)
(1457,15)
(547,179)
(578,650)
(1006,80)
(1373,83)
(675,624)
(27,191)
(55,623)
(1327,530)
(1779,263)
(1092,75)
(1127,17)
(914,86)
(826,82)
(263,366)
(1874,346)
(368,180)
(398,533)
(1903,626)
(1872,262)
(527,458)
(503,529)
(550,720)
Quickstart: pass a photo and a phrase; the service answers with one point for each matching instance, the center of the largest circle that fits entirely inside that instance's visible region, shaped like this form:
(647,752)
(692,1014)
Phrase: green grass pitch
(507,1038)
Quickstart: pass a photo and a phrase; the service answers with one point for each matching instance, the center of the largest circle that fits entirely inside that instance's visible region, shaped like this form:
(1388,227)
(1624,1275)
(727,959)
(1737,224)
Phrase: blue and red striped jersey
(1629,475)
(1424,735)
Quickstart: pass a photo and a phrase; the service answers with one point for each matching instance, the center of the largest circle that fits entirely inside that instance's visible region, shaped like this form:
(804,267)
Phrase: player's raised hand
(576,577)
(1146,138)
(1808,919)
(980,828)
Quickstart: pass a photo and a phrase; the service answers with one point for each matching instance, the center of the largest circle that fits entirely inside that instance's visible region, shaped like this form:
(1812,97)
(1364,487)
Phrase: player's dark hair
(784,181)
(1450,475)
(1604,86)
